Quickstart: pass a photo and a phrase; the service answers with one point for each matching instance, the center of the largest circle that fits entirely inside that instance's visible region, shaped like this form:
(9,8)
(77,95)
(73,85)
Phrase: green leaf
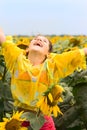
(35,121)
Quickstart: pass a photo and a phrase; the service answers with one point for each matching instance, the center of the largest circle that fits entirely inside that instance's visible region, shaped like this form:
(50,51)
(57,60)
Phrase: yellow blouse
(28,82)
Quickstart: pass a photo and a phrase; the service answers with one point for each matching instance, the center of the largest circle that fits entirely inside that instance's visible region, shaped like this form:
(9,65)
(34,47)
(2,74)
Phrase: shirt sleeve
(10,52)
(68,62)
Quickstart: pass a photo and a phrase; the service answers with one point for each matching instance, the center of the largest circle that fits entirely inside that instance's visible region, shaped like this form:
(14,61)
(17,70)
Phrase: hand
(85,51)
(2,37)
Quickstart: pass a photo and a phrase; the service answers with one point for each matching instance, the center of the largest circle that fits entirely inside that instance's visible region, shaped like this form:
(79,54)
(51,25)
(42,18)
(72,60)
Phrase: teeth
(38,44)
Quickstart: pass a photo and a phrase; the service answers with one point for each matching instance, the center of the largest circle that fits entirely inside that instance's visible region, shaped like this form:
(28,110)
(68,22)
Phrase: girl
(34,79)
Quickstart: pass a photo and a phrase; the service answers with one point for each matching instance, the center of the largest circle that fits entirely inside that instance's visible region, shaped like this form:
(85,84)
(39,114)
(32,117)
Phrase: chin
(37,50)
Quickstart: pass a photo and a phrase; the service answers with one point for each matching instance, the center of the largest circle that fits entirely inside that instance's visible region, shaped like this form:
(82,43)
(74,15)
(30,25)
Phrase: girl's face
(40,44)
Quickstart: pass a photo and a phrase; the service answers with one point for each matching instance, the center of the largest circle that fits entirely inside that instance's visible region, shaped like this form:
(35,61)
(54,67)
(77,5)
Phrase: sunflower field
(74,105)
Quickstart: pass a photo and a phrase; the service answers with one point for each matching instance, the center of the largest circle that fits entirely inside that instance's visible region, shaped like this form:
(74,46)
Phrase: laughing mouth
(38,44)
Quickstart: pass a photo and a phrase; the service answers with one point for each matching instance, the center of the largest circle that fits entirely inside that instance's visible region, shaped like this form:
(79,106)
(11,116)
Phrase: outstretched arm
(10,51)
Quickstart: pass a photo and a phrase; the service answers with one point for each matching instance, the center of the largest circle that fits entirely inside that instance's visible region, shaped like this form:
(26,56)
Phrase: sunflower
(48,103)
(13,123)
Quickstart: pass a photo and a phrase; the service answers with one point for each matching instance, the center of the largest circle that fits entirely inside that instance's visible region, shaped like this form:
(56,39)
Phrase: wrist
(2,38)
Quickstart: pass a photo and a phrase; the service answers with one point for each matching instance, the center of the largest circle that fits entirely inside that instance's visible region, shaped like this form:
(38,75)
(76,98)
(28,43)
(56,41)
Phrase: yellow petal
(46,109)
(58,109)
(50,110)
(42,107)
(23,128)
(60,100)
(50,97)
(40,102)
(54,111)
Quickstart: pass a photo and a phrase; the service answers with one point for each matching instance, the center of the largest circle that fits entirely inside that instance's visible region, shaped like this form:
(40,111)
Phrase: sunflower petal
(54,111)
(50,97)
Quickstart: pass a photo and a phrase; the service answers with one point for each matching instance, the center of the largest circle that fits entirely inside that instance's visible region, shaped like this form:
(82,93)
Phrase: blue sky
(31,17)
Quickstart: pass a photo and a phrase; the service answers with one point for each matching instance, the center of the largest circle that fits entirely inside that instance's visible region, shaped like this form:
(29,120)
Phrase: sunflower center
(14,124)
